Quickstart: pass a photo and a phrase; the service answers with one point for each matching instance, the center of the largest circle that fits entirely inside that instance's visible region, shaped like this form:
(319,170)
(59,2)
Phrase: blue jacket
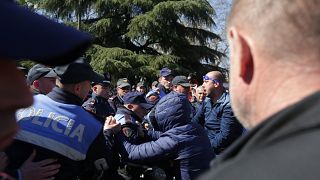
(218,120)
(182,141)
(58,127)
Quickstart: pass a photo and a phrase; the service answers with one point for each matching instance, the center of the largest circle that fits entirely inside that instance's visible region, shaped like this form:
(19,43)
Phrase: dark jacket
(19,151)
(115,102)
(99,106)
(163,91)
(182,141)
(285,146)
(218,120)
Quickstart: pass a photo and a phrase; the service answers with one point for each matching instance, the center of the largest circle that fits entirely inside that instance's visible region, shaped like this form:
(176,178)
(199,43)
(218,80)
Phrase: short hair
(216,75)
(282,28)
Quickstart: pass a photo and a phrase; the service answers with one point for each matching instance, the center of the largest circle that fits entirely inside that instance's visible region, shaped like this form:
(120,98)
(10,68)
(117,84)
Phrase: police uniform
(98,106)
(57,127)
(116,101)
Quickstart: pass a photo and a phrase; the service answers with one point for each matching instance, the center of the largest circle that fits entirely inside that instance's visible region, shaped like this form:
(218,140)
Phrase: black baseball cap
(137,98)
(181,80)
(101,79)
(38,71)
(75,72)
(27,35)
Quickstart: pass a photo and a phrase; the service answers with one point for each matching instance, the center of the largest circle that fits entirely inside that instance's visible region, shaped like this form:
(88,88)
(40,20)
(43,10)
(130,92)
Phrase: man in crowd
(141,87)
(198,97)
(131,115)
(216,114)
(183,142)
(98,102)
(59,128)
(274,87)
(181,85)
(35,37)
(135,105)
(41,79)
(154,85)
(123,87)
(165,81)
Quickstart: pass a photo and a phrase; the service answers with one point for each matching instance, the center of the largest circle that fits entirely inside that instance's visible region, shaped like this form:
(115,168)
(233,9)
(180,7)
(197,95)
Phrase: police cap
(38,71)
(75,72)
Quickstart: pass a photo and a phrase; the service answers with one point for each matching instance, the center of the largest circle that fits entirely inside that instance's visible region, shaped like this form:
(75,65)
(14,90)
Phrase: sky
(222,8)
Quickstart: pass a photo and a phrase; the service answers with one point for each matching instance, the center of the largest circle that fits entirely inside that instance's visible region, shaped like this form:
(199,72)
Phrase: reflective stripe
(50,144)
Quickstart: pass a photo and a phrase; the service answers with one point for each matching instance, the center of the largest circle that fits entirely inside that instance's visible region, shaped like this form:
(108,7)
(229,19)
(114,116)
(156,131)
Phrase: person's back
(54,130)
(58,127)
(182,141)
(194,151)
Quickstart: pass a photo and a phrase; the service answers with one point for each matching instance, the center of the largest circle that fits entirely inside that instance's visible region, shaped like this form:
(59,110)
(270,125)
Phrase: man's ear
(94,89)
(241,55)
(77,88)
(36,84)
(129,106)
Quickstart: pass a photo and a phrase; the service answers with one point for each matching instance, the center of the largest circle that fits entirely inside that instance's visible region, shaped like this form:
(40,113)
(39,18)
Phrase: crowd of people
(61,120)
(165,128)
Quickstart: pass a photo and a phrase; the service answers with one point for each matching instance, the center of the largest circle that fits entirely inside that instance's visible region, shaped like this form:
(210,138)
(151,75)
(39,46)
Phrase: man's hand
(111,124)
(41,170)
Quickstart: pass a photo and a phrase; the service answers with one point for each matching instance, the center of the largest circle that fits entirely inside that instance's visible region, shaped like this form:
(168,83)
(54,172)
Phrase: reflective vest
(64,128)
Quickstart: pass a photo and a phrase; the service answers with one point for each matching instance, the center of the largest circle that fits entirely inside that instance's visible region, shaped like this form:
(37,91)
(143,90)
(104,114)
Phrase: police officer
(41,79)
(181,85)
(98,102)
(165,81)
(123,86)
(58,127)
(141,87)
(130,116)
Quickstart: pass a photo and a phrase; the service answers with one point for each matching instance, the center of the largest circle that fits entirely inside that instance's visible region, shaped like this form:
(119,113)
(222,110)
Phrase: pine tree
(139,37)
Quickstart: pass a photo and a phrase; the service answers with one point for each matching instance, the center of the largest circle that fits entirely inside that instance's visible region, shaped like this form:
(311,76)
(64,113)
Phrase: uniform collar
(62,96)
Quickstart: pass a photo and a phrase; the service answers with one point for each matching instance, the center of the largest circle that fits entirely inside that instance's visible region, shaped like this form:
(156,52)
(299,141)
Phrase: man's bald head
(216,75)
(281,29)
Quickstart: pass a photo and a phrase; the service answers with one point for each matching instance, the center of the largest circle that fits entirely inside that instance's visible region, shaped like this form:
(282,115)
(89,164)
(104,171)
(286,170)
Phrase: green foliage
(27,64)
(139,37)
(125,63)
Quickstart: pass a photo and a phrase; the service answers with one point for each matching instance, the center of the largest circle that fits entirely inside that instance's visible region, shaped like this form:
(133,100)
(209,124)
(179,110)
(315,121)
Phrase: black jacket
(115,102)
(285,147)
(99,106)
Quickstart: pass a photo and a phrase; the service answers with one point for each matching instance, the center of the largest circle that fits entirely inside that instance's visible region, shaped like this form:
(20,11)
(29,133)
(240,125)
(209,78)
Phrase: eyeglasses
(207,78)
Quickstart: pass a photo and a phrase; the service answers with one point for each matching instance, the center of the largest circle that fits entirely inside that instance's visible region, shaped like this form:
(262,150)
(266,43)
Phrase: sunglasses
(126,88)
(207,78)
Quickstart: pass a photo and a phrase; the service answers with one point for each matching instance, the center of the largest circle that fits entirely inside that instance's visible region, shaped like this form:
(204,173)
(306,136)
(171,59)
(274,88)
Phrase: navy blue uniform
(99,106)
(115,102)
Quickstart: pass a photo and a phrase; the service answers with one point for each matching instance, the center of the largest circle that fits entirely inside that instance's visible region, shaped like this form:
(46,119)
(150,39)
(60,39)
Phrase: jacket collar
(62,96)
